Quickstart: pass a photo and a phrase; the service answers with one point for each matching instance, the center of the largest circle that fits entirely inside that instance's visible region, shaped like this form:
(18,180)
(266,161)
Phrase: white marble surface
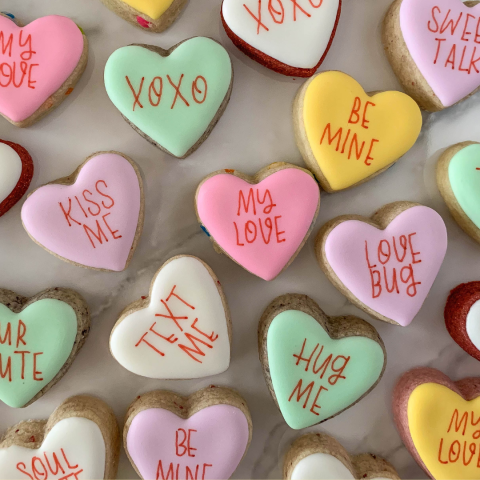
(255,130)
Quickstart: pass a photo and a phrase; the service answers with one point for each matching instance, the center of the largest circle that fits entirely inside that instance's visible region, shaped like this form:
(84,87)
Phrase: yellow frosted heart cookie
(347,136)
(152,15)
(439,422)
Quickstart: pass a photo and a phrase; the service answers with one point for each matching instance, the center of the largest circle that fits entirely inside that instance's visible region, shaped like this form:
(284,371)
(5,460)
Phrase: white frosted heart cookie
(289,37)
(317,456)
(80,441)
(182,330)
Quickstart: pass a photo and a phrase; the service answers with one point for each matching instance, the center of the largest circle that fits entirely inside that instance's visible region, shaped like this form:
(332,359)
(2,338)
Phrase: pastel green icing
(177,129)
(51,328)
(285,338)
(465,180)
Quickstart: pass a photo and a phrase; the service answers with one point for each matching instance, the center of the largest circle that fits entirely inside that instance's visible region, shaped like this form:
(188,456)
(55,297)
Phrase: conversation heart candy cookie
(203,436)
(39,340)
(317,456)
(346,136)
(438,422)
(462,317)
(260,222)
(385,264)
(173,98)
(92,218)
(432,46)
(153,15)
(182,330)
(316,366)
(458,170)
(40,65)
(289,37)
(80,441)
(16,172)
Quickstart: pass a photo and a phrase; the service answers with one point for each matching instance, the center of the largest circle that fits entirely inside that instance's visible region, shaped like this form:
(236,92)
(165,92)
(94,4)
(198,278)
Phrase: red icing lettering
(189,337)
(43,467)
(392,272)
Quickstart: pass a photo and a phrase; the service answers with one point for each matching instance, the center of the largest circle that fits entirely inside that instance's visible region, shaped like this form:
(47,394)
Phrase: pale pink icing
(220,438)
(45,221)
(57,44)
(295,195)
(345,250)
(417,18)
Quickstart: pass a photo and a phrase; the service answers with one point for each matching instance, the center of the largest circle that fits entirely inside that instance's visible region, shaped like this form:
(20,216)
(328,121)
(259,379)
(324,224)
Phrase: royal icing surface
(392,270)
(445,431)
(209,445)
(92,222)
(321,466)
(315,377)
(463,175)
(352,135)
(443,39)
(473,324)
(153,8)
(183,333)
(294,33)
(259,226)
(35,61)
(171,99)
(73,449)
(34,345)
(10,170)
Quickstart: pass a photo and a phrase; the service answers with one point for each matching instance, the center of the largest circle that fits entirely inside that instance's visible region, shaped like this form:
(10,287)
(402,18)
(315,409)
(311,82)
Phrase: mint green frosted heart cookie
(39,338)
(173,98)
(314,376)
(458,178)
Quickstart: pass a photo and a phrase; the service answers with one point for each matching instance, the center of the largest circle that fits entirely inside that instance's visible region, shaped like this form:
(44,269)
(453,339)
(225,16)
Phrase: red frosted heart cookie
(462,317)
(16,172)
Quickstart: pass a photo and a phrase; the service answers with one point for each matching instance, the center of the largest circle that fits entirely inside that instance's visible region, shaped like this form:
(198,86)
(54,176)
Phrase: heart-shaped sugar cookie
(260,222)
(458,172)
(16,172)
(92,218)
(347,136)
(41,63)
(182,330)
(385,265)
(317,456)
(289,37)
(79,441)
(432,46)
(152,15)
(316,366)
(203,436)
(172,98)
(39,339)
(462,317)
(438,422)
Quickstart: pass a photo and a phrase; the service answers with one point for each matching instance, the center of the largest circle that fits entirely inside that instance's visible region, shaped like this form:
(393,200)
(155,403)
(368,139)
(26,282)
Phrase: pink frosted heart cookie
(291,37)
(203,436)
(260,222)
(385,265)
(40,65)
(92,218)
(433,47)
(181,330)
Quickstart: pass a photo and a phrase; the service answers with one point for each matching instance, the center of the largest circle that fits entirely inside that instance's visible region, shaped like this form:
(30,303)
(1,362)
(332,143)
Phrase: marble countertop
(255,130)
